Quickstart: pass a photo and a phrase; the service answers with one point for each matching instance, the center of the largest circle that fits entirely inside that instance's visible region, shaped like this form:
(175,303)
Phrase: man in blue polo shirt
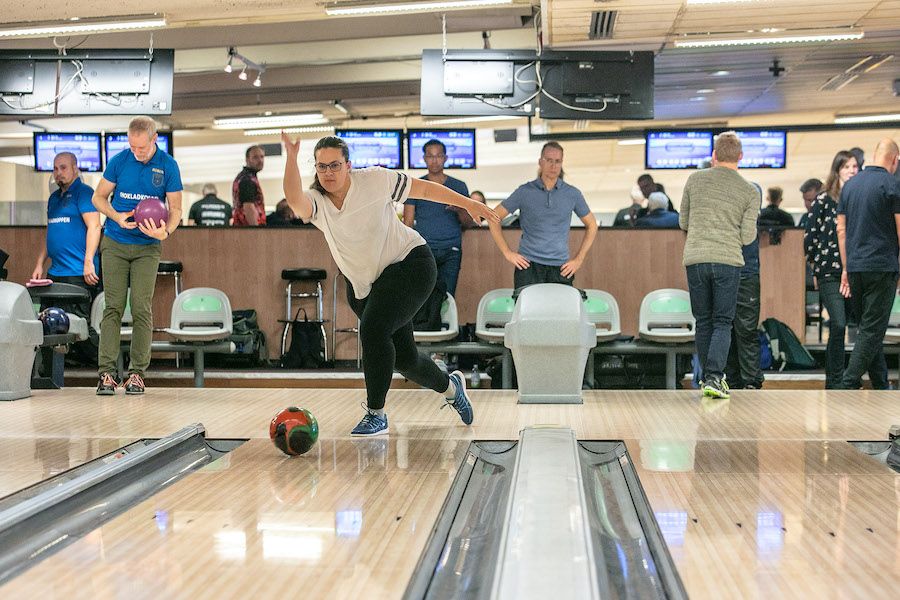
(545,208)
(73,234)
(131,250)
(439,224)
(868,230)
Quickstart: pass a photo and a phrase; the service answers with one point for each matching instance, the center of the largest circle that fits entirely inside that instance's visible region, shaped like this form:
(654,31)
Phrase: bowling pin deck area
(759,496)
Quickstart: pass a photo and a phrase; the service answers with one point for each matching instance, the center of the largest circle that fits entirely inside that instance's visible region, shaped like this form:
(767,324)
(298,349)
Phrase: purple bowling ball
(55,321)
(150,209)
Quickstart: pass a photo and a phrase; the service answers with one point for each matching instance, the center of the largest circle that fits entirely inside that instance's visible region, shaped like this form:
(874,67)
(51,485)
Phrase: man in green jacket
(718,211)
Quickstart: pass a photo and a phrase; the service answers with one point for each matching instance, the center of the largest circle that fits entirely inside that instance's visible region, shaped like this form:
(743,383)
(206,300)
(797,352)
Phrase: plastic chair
(603,311)
(449,317)
(495,309)
(666,317)
(201,315)
(99,306)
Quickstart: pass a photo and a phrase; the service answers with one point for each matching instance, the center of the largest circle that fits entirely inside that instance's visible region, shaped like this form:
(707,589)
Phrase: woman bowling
(388,268)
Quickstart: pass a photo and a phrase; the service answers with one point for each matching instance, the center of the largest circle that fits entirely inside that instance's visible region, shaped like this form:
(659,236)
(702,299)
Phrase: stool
(173,268)
(335,329)
(297,277)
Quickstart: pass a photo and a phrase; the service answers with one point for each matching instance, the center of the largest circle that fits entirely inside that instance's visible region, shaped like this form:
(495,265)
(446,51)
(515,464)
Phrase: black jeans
(835,351)
(713,288)
(875,296)
(538,273)
(743,367)
(386,331)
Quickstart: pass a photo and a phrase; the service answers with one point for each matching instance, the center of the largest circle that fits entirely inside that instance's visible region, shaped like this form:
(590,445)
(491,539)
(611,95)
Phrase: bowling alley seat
(99,306)
(449,324)
(201,315)
(297,277)
(666,317)
(171,268)
(495,309)
(603,311)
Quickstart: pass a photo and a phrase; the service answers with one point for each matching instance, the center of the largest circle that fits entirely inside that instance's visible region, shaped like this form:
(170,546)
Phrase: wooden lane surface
(756,497)
(26,461)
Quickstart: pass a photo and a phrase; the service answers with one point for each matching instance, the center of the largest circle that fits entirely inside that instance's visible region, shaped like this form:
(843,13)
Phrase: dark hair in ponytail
(328,142)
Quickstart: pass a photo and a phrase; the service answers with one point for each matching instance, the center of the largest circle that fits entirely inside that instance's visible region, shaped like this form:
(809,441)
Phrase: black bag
(249,341)
(429,316)
(307,349)
(786,347)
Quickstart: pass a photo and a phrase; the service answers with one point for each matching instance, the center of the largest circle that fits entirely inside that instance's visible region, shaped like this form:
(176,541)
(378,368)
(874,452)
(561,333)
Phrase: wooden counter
(246,264)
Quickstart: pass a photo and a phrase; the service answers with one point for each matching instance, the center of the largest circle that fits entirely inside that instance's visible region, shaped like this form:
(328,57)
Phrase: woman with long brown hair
(823,254)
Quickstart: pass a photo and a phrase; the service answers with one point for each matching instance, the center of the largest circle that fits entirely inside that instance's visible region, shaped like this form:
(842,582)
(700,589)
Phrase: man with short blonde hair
(718,210)
(131,250)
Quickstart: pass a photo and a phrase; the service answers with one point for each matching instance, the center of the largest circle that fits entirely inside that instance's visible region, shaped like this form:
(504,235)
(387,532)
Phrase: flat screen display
(85,147)
(116,142)
(763,149)
(374,147)
(460,145)
(677,149)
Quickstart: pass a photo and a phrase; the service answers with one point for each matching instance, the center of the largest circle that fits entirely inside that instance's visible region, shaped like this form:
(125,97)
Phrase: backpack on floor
(307,349)
(786,346)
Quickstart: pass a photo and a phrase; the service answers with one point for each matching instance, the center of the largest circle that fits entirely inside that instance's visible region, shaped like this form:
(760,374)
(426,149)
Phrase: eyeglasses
(552,161)
(435,156)
(332,167)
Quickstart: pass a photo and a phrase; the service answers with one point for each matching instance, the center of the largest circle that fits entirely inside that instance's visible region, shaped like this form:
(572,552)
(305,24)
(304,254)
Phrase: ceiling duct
(602,24)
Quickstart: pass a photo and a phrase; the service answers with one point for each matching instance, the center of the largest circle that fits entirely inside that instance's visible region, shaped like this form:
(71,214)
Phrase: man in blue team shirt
(868,230)
(440,225)
(545,208)
(131,250)
(73,234)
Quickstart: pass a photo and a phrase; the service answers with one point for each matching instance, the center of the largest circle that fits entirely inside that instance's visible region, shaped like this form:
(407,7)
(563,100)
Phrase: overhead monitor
(116,82)
(677,149)
(374,147)
(116,142)
(27,86)
(85,147)
(460,144)
(604,85)
(478,83)
(763,149)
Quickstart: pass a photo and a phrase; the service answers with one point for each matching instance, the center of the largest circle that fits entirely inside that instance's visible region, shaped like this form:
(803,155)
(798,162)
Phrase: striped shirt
(365,235)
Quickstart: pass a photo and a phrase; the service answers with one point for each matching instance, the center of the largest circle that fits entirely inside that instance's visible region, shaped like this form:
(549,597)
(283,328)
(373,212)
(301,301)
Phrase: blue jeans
(713,288)
(448,261)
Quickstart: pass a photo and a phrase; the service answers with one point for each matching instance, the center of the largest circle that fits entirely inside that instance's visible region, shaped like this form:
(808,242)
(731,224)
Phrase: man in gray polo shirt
(718,210)
(545,208)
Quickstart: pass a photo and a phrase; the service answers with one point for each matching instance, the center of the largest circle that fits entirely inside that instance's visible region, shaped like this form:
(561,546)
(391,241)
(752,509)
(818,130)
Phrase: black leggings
(385,326)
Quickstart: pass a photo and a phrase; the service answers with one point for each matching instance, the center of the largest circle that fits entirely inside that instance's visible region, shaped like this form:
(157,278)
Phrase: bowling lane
(26,461)
(774,519)
(346,520)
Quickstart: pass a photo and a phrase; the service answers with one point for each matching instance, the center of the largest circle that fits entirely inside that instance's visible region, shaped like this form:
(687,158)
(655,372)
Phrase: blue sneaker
(461,402)
(371,424)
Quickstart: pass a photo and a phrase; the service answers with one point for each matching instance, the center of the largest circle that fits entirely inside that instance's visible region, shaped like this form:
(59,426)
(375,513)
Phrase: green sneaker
(716,388)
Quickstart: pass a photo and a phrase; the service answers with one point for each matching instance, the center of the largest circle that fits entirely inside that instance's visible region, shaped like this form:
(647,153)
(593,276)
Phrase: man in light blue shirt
(545,208)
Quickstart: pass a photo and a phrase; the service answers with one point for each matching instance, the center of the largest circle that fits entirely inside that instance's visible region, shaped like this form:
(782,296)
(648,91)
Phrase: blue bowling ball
(55,321)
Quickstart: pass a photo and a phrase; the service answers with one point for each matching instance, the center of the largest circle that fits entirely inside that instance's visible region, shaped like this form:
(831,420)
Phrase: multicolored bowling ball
(55,321)
(151,209)
(294,430)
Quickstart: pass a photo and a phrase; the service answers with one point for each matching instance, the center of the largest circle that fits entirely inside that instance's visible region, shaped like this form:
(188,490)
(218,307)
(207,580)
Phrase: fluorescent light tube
(347,9)
(763,40)
(82,26)
(270,121)
(850,119)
